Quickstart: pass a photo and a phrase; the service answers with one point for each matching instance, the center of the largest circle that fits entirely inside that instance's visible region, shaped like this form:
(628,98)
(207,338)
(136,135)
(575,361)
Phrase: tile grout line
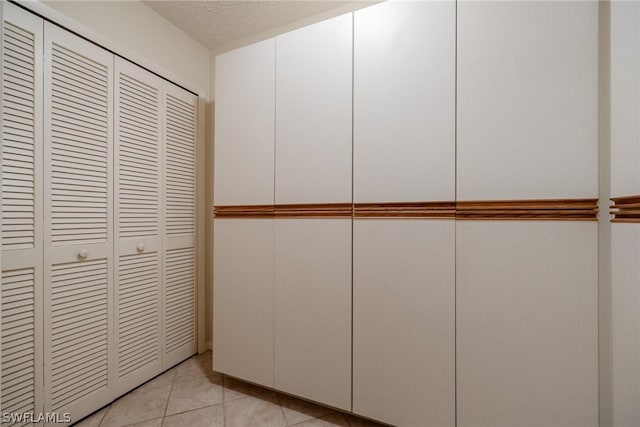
(166,406)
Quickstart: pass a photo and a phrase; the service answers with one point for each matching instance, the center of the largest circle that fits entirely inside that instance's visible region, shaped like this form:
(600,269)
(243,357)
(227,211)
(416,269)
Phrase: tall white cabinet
(403,258)
(98,221)
(624,83)
(243,246)
(526,272)
(405,206)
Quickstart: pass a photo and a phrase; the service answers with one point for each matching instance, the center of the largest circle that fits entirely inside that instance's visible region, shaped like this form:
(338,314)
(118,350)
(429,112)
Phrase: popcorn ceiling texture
(216,23)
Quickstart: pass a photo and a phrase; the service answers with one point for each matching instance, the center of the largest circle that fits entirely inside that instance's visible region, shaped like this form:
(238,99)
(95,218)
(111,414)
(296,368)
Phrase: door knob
(83,254)
(140,247)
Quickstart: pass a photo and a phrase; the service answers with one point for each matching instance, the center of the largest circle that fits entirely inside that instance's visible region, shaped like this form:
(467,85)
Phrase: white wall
(139,31)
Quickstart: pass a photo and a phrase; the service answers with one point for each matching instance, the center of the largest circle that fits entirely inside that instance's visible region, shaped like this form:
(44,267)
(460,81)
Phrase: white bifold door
(78,237)
(22,204)
(98,221)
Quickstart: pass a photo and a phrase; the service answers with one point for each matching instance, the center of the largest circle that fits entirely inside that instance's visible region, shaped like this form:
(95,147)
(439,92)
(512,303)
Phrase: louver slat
(18,138)
(79,141)
(179,298)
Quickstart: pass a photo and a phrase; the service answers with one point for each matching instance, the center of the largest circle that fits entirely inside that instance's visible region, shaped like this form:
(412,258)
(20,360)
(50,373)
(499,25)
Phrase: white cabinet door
(404,321)
(245,125)
(243,299)
(404,102)
(527,323)
(179,245)
(22,234)
(313,113)
(625,98)
(527,100)
(625,338)
(138,224)
(313,309)
(78,256)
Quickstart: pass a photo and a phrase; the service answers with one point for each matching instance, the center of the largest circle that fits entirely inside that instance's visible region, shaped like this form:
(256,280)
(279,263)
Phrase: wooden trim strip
(321,210)
(530,210)
(626,209)
(244,211)
(432,210)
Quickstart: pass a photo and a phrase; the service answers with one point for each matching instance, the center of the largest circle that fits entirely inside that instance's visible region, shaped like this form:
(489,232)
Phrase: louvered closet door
(138,150)
(179,246)
(21,212)
(78,223)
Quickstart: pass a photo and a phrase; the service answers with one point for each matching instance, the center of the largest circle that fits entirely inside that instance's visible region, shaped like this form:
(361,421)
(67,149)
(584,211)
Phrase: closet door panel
(138,224)
(78,223)
(179,246)
(243,299)
(313,309)
(22,268)
(404,321)
(527,323)
(313,113)
(404,102)
(245,125)
(527,100)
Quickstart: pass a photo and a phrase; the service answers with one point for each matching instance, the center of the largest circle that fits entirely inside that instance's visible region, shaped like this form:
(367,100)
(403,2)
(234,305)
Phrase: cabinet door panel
(243,299)
(527,324)
(527,100)
(404,102)
(313,309)
(313,113)
(404,321)
(624,26)
(625,299)
(245,125)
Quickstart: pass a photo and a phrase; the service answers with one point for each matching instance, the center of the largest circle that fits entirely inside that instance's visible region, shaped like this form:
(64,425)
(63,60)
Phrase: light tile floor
(192,395)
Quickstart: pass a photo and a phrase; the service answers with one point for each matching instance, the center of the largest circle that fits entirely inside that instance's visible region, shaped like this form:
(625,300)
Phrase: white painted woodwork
(625,297)
(313,113)
(527,325)
(22,198)
(78,223)
(313,309)
(243,299)
(404,102)
(624,27)
(138,224)
(245,125)
(179,245)
(404,321)
(527,100)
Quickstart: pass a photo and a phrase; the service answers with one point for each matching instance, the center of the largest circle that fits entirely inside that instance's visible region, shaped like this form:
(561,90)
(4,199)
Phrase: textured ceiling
(216,23)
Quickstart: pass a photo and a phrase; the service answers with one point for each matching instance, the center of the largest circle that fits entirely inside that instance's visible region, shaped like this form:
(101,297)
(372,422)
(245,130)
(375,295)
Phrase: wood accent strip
(540,210)
(626,209)
(432,210)
(321,210)
(244,211)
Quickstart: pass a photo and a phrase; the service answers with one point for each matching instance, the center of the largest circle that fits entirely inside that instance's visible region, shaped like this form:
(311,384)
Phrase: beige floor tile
(253,412)
(196,367)
(211,416)
(161,380)
(156,422)
(235,389)
(195,394)
(139,405)
(297,411)
(92,420)
(335,419)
